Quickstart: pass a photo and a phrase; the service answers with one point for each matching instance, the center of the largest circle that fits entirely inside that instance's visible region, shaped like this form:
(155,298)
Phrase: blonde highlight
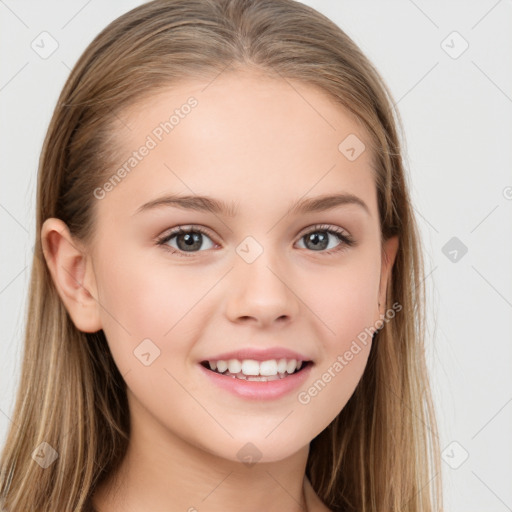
(381,452)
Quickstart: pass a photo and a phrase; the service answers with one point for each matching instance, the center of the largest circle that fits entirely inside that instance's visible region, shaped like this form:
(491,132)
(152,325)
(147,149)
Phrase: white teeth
(268,368)
(281,365)
(264,379)
(250,369)
(222,366)
(292,365)
(234,366)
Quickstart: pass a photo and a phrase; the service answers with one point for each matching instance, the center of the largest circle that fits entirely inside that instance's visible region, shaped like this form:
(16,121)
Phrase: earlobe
(389,252)
(72,274)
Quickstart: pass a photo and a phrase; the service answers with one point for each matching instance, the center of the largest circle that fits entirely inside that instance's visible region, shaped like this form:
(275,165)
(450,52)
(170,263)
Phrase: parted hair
(381,453)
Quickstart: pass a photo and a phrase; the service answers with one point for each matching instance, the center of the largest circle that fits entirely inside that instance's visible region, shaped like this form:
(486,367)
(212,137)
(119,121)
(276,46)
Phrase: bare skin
(254,141)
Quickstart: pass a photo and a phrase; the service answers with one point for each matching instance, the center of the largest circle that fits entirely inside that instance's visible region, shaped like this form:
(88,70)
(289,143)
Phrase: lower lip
(258,390)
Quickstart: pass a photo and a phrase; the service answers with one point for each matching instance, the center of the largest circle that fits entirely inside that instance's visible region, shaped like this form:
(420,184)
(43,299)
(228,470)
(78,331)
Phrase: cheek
(346,306)
(140,302)
(151,316)
(345,299)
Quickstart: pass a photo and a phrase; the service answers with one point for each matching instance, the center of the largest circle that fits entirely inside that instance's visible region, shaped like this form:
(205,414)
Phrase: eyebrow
(219,207)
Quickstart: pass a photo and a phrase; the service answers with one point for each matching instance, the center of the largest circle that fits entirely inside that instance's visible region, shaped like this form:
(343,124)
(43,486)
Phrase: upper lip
(259,354)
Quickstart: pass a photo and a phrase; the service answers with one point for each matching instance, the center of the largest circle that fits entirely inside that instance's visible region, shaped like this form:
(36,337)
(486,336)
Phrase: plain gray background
(456,103)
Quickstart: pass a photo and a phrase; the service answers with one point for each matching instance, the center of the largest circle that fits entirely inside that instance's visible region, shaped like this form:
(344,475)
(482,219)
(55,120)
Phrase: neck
(162,471)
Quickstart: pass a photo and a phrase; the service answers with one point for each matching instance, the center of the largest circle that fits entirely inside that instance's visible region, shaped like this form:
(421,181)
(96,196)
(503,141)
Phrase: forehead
(245,137)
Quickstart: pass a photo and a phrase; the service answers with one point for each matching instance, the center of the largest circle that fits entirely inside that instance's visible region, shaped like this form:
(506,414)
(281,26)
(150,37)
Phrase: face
(257,272)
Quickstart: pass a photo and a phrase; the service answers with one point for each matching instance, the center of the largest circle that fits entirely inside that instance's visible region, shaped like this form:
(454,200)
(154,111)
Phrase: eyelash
(345,239)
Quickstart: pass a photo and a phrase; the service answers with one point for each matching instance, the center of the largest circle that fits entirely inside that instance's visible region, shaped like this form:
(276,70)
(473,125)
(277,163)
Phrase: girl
(226,305)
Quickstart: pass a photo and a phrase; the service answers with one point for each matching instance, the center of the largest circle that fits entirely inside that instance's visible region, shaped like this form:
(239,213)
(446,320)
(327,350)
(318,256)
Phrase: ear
(72,274)
(389,251)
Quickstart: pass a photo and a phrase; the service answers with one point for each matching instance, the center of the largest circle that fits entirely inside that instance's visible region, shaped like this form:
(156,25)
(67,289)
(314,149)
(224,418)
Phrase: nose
(261,293)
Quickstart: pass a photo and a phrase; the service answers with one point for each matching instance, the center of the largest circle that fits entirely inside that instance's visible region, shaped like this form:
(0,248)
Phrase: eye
(191,239)
(182,240)
(322,237)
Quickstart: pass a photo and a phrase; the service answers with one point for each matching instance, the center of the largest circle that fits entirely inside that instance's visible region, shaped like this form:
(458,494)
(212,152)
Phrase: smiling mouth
(252,370)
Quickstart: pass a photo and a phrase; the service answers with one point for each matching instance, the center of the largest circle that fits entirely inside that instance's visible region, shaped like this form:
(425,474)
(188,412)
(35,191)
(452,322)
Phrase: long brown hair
(381,452)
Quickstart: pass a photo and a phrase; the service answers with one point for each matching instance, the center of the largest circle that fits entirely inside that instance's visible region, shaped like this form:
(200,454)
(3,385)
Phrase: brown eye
(317,241)
(189,241)
(331,238)
(186,240)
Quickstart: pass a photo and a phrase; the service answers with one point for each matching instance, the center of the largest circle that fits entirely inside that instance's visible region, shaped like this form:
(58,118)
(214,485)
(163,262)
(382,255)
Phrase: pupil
(318,240)
(191,240)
